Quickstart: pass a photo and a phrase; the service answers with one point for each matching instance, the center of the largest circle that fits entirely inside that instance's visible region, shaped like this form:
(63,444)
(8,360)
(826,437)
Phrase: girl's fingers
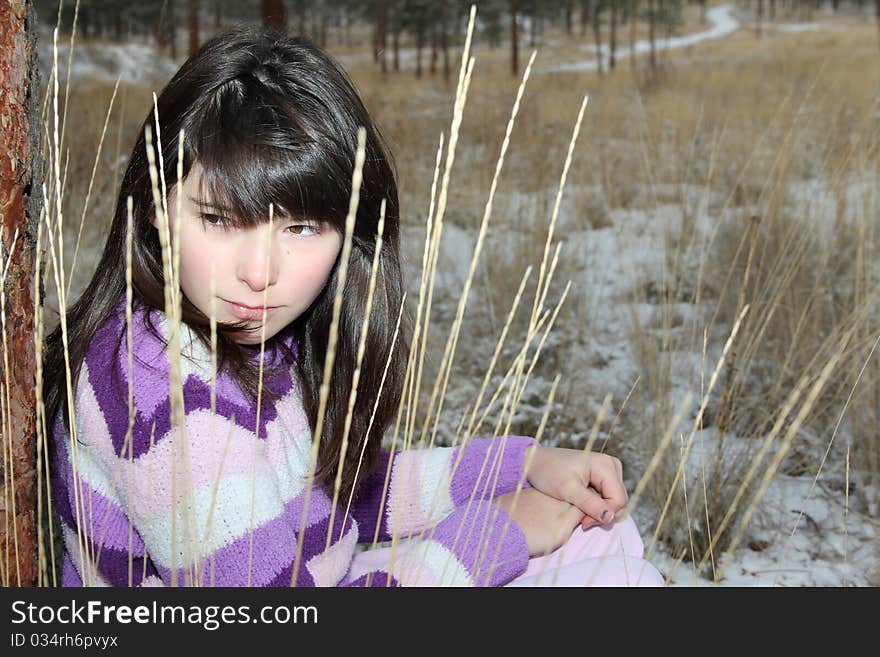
(619,467)
(588,522)
(596,507)
(610,488)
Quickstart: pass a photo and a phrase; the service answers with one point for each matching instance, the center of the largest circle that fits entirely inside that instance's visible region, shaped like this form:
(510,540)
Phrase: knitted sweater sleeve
(426,485)
(476,546)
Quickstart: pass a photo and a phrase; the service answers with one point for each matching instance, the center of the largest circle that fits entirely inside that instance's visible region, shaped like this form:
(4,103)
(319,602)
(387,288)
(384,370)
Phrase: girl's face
(283,269)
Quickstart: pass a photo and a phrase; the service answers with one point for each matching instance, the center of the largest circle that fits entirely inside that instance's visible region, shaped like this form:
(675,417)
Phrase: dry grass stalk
(334,335)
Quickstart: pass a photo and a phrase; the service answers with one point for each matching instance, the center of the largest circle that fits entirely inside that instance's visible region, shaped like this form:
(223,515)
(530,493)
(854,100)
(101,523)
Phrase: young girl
(227,501)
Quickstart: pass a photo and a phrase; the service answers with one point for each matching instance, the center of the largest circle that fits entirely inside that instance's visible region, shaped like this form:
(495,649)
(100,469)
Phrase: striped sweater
(221,504)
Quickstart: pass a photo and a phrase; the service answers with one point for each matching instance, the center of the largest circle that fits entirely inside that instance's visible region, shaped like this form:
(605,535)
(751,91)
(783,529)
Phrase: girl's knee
(629,541)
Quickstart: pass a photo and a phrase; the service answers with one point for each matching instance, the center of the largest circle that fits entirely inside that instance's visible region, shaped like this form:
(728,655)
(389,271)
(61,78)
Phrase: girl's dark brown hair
(270,119)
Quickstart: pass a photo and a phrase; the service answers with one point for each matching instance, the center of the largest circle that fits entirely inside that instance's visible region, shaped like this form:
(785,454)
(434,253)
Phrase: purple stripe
(466,475)
(106,522)
(112,566)
(69,575)
(366,502)
(512,557)
(108,379)
(379,579)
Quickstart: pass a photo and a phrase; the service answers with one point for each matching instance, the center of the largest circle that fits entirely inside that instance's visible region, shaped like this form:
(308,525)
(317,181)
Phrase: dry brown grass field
(739,179)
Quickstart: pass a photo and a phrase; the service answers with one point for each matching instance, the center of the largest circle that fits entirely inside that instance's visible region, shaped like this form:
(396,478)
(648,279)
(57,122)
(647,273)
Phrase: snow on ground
(136,63)
(723,24)
(832,545)
(804,27)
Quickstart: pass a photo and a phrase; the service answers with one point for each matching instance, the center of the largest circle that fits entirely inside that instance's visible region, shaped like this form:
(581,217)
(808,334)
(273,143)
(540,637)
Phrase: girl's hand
(591,481)
(546,522)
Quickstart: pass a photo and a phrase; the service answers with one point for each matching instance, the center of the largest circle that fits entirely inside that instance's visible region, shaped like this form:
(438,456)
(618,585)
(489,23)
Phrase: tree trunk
(878,15)
(420,41)
(652,18)
(444,45)
(381,34)
(760,15)
(585,16)
(633,21)
(514,40)
(273,14)
(569,10)
(533,30)
(172,29)
(703,11)
(193,26)
(597,33)
(434,45)
(613,36)
(395,32)
(20,180)
(161,29)
(396,37)
(218,14)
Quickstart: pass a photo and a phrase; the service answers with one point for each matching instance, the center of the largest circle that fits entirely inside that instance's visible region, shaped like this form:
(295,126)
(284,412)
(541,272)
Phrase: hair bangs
(255,148)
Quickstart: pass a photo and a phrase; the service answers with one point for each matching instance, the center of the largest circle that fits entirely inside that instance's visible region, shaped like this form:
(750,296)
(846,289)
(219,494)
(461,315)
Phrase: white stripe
(443,565)
(94,439)
(419,495)
(231,519)
(328,568)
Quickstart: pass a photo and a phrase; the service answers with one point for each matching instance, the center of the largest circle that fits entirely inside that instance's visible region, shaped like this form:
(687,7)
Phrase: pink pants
(600,556)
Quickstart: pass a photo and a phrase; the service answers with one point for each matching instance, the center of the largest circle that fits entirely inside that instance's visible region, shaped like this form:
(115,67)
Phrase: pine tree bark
(20,180)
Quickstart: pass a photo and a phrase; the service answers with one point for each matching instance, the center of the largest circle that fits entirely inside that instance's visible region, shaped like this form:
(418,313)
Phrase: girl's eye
(215,221)
(297,229)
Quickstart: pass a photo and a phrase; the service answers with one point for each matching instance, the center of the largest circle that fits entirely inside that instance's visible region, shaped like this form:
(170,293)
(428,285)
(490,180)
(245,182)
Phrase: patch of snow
(723,24)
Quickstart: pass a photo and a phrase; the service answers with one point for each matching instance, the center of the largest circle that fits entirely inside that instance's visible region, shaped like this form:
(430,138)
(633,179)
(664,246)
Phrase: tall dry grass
(732,152)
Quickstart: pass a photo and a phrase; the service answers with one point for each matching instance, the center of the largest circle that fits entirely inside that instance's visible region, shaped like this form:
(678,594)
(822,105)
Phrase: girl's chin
(251,340)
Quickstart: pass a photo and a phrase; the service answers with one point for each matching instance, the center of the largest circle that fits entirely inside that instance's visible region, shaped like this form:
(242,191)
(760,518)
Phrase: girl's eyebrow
(212,206)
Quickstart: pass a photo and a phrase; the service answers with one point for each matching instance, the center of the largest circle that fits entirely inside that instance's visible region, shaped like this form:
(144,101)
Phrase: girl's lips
(248,312)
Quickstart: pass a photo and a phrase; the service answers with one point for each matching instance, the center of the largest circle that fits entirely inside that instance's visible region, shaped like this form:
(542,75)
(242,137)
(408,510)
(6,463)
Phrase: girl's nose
(258,262)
